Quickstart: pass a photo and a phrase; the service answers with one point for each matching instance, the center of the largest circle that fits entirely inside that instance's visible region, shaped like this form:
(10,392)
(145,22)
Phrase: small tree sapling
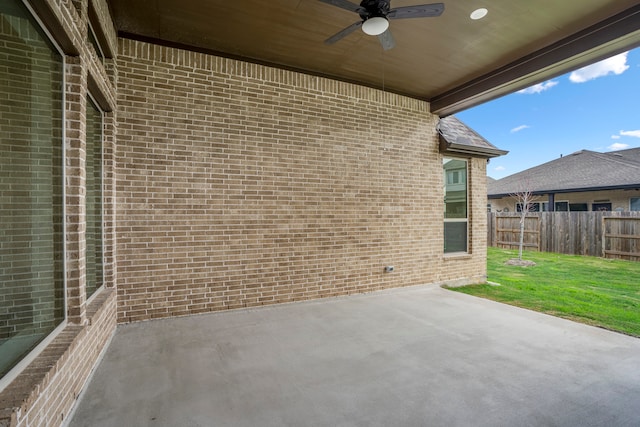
(524,198)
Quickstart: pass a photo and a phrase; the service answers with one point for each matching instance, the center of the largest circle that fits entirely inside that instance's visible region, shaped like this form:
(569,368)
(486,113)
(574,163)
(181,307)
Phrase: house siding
(619,199)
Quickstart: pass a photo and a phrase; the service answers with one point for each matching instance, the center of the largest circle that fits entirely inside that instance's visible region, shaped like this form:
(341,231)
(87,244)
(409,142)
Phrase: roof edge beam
(454,148)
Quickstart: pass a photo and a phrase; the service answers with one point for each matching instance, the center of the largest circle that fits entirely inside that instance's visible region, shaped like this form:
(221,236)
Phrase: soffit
(452,61)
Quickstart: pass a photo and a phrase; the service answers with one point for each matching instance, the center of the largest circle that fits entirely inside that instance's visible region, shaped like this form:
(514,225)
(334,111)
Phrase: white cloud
(499,168)
(615,136)
(519,128)
(634,133)
(540,87)
(616,65)
(617,146)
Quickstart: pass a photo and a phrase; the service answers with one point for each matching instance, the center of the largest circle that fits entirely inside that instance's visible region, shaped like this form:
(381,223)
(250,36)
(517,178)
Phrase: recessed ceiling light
(479,13)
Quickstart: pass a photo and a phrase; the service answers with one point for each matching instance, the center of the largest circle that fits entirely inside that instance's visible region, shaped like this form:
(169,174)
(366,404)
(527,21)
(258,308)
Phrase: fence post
(604,239)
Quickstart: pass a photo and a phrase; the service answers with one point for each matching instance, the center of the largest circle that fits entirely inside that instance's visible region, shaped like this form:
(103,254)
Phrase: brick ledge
(31,382)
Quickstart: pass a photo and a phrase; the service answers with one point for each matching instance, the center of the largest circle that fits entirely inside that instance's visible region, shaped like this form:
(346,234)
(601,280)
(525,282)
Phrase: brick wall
(240,185)
(476,272)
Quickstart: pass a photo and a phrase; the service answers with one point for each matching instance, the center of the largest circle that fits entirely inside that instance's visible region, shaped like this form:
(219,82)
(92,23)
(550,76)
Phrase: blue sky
(595,108)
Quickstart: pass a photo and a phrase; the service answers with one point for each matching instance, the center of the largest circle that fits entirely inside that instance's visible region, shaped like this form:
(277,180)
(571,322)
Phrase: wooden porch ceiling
(452,61)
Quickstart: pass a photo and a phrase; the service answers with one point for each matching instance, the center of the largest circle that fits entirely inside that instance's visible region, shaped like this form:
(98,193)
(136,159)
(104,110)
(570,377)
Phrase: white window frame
(458,220)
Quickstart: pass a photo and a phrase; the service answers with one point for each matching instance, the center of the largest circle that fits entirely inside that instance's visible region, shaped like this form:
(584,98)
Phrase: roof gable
(632,154)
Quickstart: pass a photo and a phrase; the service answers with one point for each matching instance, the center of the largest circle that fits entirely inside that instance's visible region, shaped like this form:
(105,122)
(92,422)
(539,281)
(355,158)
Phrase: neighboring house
(169,158)
(582,181)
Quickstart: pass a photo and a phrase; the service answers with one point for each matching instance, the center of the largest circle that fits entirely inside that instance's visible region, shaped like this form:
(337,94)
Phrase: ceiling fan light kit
(375,26)
(375,16)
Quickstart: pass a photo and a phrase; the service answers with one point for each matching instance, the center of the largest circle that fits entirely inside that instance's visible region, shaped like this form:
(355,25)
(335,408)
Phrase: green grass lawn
(590,290)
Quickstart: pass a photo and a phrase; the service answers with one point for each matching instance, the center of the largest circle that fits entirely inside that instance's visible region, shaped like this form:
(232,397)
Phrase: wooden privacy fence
(621,237)
(603,234)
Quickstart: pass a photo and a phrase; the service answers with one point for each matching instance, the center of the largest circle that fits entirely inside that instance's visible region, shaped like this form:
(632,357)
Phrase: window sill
(35,378)
(457,256)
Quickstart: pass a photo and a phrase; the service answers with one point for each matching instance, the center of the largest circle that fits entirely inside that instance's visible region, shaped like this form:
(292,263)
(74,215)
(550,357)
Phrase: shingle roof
(581,171)
(632,154)
(457,137)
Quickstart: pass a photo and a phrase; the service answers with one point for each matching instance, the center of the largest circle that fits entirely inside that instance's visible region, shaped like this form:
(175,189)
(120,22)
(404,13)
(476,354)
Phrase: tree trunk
(521,238)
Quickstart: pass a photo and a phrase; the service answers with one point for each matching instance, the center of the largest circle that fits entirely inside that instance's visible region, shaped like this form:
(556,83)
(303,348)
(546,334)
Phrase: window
(601,207)
(571,207)
(32,301)
(93,168)
(578,207)
(456,177)
(96,37)
(634,204)
(455,205)
(534,207)
(93,40)
(92,35)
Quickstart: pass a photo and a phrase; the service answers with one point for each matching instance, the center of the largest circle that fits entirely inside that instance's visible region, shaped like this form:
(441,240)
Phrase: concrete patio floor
(419,356)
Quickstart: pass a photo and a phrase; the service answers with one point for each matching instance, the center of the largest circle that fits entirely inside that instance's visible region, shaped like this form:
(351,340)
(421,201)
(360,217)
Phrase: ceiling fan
(375,16)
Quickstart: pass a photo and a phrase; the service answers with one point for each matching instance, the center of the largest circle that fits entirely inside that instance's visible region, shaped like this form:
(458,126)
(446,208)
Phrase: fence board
(609,234)
(621,237)
(507,231)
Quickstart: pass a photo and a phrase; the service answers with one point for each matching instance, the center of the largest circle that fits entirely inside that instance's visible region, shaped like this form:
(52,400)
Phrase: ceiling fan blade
(417,11)
(344,4)
(386,40)
(343,33)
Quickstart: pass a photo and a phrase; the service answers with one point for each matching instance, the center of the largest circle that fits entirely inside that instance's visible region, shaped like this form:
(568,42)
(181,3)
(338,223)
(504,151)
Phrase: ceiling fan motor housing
(373,8)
